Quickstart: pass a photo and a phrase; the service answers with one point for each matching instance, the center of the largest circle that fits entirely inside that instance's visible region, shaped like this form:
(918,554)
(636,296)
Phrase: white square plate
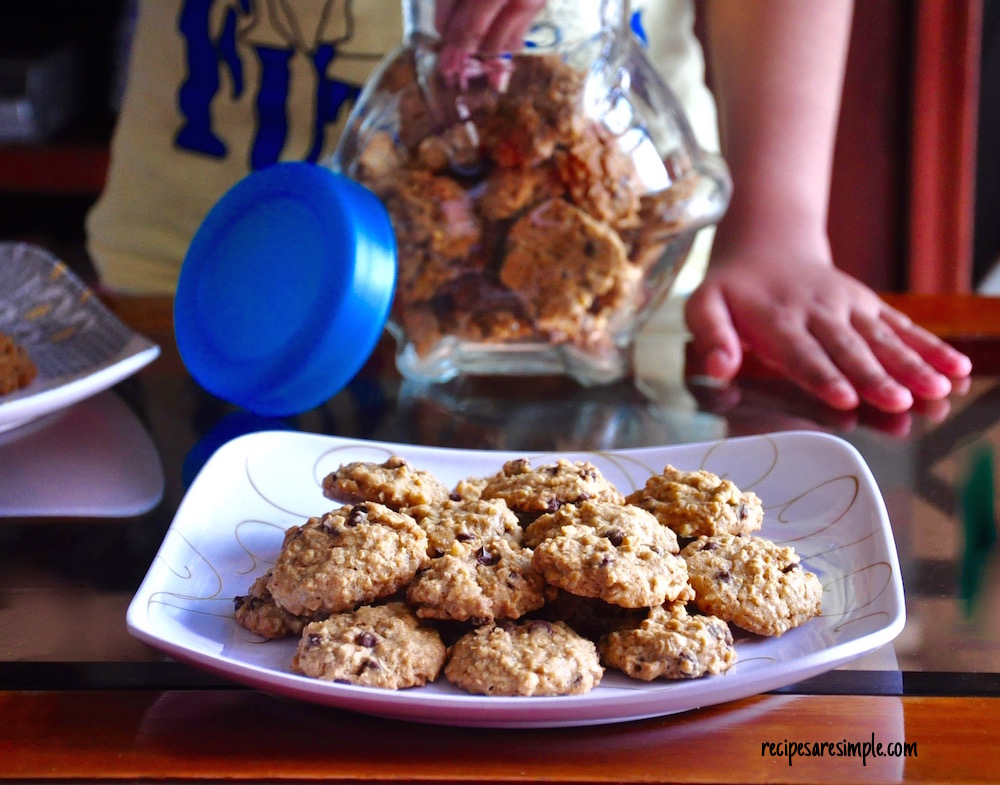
(78,345)
(818,494)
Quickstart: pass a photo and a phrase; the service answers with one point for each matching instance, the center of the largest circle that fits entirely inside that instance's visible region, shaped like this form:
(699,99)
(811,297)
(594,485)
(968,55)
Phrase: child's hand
(819,327)
(481,27)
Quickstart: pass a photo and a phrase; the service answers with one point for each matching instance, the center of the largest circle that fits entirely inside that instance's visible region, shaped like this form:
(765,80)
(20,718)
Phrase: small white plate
(79,346)
(818,493)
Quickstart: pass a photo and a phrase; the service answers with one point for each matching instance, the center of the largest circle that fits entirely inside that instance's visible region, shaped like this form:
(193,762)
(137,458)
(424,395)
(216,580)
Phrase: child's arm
(772,287)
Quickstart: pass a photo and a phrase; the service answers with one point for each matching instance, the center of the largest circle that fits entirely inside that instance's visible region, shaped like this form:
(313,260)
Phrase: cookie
(258,612)
(670,643)
(17,369)
(394,483)
(620,554)
(375,646)
(600,177)
(531,491)
(348,557)
(468,521)
(699,503)
(589,616)
(524,658)
(752,582)
(540,110)
(478,582)
(434,213)
(567,267)
(550,524)
(469,488)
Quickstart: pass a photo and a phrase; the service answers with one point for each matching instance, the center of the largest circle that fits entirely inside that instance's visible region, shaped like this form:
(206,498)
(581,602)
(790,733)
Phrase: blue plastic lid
(285,289)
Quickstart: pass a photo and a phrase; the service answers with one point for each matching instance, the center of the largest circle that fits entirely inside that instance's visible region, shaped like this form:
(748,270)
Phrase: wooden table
(82,700)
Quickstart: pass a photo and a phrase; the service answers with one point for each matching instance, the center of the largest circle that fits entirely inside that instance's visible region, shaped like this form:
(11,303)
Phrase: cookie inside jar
(535,228)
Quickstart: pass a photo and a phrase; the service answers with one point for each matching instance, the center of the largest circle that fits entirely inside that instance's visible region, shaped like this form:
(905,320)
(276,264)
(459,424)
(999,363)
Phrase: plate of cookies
(485,588)
(59,344)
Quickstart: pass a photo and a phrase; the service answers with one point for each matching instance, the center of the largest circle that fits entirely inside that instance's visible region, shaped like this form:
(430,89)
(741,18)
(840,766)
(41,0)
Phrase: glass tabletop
(87,495)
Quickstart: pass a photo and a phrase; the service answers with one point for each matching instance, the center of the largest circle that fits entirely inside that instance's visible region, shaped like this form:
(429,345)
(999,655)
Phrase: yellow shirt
(217,88)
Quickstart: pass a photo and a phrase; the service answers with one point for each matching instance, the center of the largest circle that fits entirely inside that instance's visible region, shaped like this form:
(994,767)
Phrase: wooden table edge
(245,735)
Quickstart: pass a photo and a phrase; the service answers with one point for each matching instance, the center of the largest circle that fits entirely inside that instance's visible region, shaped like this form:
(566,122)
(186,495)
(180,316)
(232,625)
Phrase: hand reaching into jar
(477,35)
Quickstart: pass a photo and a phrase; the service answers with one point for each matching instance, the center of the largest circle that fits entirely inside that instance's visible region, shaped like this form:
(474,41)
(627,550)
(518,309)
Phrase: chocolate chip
(708,545)
(539,624)
(789,568)
(486,558)
(367,639)
(370,665)
(357,515)
(517,466)
(464,537)
(238,602)
(314,639)
(615,536)
(723,576)
(743,511)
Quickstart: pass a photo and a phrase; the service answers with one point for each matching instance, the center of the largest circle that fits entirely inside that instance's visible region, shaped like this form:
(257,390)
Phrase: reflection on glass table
(94,459)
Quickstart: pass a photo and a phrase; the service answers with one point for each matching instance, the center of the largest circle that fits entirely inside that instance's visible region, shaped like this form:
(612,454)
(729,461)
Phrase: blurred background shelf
(71,168)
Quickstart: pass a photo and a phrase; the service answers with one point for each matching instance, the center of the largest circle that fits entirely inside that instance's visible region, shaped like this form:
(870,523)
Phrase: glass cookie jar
(543,200)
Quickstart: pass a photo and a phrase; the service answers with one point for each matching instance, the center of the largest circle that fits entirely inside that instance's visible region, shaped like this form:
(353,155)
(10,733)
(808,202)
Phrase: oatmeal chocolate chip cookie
(752,582)
(551,524)
(508,192)
(478,582)
(532,491)
(469,488)
(699,503)
(472,521)
(17,369)
(375,646)
(540,110)
(589,616)
(600,177)
(524,658)
(258,612)
(567,267)
(620,554)
(670,643)
(350,556)
(433,212)
(394,483)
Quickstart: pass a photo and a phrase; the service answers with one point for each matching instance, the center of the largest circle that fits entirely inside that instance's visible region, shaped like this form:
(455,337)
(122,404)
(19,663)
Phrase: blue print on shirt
(272,128)
(635,23)
(207,56)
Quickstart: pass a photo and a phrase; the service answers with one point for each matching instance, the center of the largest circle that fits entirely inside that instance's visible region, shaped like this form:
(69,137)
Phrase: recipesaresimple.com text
(844,748)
